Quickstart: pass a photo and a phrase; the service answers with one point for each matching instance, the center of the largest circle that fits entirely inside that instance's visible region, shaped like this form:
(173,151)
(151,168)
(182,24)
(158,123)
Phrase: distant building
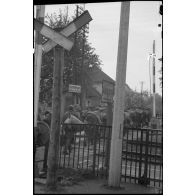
(93,88)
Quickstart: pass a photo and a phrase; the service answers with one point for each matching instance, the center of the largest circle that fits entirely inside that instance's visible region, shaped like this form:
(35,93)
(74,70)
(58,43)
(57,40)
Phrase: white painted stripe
(78,23)
(57,37)
(37,69)
(37,64)
(70,29)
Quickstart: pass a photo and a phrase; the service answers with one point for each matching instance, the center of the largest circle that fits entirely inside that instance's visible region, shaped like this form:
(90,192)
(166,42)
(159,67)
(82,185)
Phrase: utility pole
(142,82)
(118,117)
(40,12)
(150,74)
(154,101)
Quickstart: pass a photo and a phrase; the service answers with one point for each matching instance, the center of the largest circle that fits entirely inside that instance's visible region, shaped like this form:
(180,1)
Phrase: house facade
(94,92)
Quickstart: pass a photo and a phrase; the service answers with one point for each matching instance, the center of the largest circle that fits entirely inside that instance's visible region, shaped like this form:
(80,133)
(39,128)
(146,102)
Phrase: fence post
(94,151)
(140,157)
(107,151)
(45,157)
(146,158)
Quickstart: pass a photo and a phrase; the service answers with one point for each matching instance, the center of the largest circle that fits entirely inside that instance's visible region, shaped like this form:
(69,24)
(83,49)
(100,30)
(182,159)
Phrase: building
(95,76)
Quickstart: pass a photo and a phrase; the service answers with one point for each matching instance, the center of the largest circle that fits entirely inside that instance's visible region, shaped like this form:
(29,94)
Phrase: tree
(133,100)
(73,58)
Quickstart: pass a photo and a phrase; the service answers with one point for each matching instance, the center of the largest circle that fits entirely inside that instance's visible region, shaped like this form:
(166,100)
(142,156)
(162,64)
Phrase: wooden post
(62,95)
(75,61)
(40,12)
(83,91)
(53,154)
(117,127)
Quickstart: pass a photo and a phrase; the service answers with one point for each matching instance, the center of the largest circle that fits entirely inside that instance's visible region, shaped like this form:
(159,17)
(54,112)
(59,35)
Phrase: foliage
(135,100)
(72,59)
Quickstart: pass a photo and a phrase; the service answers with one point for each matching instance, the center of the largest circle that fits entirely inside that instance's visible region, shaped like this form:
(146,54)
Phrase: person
(67,138)
(68,113)
(77,111)
(93,117)
(47,118)
(39,114)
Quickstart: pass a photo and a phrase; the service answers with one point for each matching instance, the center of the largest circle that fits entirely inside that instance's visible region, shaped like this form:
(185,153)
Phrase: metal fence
(142,157)
(89,148)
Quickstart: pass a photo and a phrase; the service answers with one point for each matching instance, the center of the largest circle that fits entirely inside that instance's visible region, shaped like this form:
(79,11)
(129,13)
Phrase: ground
(96,186)
(72,181)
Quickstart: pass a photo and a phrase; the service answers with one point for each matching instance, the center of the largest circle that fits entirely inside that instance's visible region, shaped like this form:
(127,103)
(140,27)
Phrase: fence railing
(142,157)
(85,147)
(88,147)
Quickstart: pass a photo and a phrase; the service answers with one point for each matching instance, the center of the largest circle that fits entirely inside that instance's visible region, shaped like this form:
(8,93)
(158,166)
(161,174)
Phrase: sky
(104,33)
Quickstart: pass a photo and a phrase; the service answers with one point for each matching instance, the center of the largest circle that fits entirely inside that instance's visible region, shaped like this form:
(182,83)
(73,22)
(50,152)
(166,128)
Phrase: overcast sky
(143,29)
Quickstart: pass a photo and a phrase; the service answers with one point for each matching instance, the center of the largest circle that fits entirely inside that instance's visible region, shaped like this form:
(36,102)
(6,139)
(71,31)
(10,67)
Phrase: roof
(92,92)
(97,75)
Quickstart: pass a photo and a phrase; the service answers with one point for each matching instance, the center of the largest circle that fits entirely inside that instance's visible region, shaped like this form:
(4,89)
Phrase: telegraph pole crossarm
(38,61)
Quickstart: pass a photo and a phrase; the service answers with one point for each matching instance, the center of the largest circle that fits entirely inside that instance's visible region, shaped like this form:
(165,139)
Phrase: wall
(98,86)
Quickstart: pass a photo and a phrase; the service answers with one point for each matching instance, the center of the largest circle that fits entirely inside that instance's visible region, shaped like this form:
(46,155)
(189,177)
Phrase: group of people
(76,111)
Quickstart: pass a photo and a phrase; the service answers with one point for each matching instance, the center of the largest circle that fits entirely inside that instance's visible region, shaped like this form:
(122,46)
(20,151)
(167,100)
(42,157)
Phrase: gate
(142,155)
(88,148)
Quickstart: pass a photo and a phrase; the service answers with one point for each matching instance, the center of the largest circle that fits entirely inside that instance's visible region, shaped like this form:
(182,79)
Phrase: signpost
(154,100)
(61,41)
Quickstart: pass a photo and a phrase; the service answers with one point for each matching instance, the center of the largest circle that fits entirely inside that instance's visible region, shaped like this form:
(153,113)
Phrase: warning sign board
(74,89)
(107,91)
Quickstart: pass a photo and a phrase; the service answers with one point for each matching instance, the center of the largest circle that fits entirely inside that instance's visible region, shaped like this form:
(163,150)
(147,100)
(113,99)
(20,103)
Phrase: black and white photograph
(98,98)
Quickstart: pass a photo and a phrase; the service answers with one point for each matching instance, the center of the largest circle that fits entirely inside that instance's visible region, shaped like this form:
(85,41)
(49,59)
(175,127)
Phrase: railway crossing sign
(54,39)
(71,28)
(61,37)
(57,37)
